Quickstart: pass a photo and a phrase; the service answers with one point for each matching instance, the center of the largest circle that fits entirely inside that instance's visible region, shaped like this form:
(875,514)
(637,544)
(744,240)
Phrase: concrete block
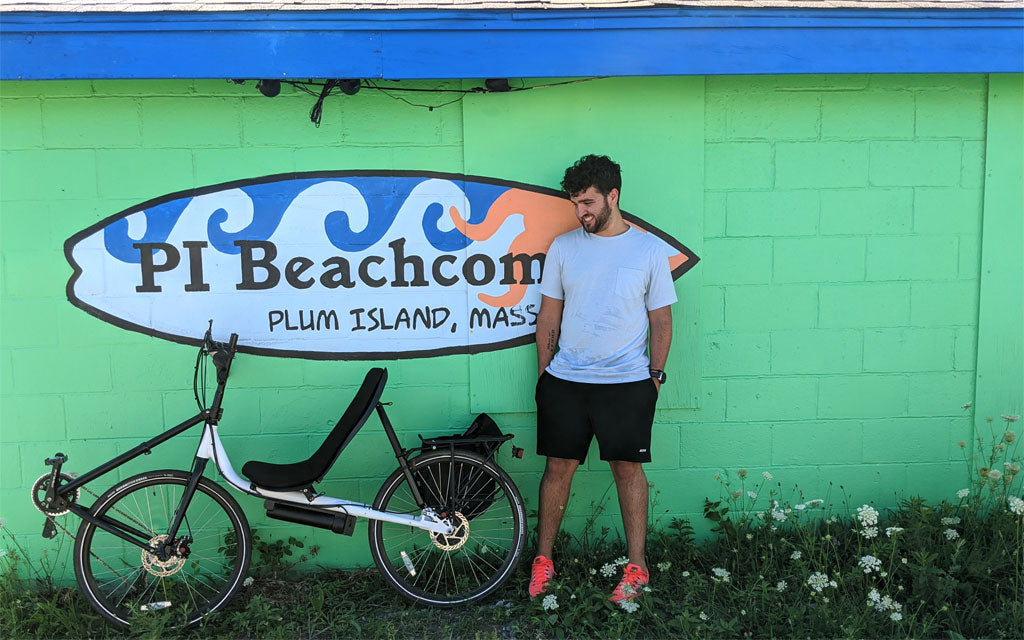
(715,110)
(866,211)
(972,171)
(10,458)
(731,353)
(51,174)
(801,165)
(454,370)
(906,440)
(864,305)
(284,122)
(223,165)
(947,210)
(91,123)
(712,308)
(173,122)
(305,411)
(808,82)
(809,351)
(867,115)
(773,115)
(714,214)
(944,304)
(665,449)
(738,165)
(26,418)
(39,274)
(817,442)
(382,120)
(45,88)
(909,82)
(772,213)
(22,124)
(940,394)
(145,87)
(65,370)
(969,255)
(935,481)
(764,399)
(965,348)
(29,322)
(712,406)
(114,415)
(793,306)
(912,257)
(726,445)
(892,350)
(818,260)
(950,114)
(418,408)
(846,487)
(862,396)
(915,164)
(143,174)
(737,261)
(320,157)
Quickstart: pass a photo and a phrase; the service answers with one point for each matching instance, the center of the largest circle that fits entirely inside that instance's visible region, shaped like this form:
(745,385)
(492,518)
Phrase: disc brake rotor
(158,567)
(456,538)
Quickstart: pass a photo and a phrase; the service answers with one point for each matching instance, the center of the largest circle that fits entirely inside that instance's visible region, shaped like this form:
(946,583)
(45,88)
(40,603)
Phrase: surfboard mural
(333,265)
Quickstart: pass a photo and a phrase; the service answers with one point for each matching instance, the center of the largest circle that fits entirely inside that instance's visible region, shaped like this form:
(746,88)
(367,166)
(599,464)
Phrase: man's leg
(631,482)
(554,496)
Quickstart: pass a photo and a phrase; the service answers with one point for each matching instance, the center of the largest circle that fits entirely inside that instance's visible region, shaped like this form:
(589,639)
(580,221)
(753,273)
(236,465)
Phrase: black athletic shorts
(569,414)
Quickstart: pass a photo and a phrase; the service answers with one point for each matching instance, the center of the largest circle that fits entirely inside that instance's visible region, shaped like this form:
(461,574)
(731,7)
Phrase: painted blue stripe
(477,44)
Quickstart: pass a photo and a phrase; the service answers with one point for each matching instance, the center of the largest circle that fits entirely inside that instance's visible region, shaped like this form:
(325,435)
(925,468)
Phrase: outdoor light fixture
(349,86)
(498,85)
(269,88)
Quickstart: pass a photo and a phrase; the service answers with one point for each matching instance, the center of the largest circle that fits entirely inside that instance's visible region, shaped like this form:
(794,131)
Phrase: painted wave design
(333,265)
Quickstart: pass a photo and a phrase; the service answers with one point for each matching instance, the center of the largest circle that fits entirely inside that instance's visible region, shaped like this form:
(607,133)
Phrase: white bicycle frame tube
(211,447)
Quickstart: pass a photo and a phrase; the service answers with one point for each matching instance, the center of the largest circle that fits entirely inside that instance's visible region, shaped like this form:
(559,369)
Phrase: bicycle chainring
(62,504)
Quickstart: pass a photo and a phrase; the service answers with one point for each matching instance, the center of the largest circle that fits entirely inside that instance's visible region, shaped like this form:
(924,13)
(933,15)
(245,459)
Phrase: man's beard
(601,219)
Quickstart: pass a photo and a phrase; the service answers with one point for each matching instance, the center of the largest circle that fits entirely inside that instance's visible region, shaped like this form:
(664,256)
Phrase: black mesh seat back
(355,416)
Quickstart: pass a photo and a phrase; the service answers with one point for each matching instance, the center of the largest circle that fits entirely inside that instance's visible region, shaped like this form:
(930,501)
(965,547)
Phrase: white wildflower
(815,503)
(3,554)
(1016,505)
(3,522)
(903,560)
(874,597)
(743,612)
(593,572)
(664,566)
(703,616)
(891,530)
(247,582)
(629,606)
(781,585)
(799,507)
(867,515)
(766,475)
(951,534)
(870,532)
(685,574)
(621,561)
(818,581)
(895,616)
(646,589)
(869,564)
(995,474)
(752,495)
(796,555)
(550,602)
(963,493)
(948,522)
(750,536)
(779,515)
(1010,418)
(608,570)
(721,575)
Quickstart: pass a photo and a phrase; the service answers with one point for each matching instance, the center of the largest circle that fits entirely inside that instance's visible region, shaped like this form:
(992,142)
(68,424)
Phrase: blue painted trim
(478,44)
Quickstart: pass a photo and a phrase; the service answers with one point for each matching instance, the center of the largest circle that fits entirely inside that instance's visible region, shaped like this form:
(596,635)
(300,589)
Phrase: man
(605,287)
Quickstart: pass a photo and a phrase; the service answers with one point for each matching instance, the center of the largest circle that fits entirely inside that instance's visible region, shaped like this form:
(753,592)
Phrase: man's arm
(549,325)
(661,337)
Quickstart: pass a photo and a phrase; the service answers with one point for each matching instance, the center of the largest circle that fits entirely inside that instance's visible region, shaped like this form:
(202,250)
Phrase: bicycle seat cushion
(302,475)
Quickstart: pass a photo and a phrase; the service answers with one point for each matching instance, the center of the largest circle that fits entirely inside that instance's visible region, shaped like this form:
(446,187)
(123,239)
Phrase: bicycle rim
(472,562)
(123,582)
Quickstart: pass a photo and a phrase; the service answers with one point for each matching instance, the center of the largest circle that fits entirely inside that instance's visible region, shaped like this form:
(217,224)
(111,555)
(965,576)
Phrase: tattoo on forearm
(552,342)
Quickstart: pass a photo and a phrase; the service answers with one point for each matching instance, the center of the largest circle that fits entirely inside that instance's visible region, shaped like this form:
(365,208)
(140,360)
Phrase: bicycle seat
(299,476)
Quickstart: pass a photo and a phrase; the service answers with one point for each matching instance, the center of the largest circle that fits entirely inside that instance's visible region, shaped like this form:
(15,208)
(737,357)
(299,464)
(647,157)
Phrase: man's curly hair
(592,171)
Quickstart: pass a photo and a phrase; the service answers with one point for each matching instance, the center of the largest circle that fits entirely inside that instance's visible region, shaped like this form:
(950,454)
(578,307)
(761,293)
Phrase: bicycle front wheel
(473,561)
(210,557)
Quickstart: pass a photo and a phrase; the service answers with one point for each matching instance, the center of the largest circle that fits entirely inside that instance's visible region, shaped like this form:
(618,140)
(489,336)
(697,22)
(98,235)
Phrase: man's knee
(623,470)
(560,467)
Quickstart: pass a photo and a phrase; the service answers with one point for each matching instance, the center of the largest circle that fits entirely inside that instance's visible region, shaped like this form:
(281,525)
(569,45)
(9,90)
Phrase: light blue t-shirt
(607,285)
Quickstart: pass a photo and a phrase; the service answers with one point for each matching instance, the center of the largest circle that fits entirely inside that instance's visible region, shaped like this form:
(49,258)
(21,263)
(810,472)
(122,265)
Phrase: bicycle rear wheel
(213,549)
(472,562)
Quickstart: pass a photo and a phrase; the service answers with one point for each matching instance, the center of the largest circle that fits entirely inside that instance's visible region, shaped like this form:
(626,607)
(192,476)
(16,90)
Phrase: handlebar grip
(234,342)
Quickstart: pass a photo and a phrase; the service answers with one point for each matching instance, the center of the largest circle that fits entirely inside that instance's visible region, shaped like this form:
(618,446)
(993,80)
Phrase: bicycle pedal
(49,529)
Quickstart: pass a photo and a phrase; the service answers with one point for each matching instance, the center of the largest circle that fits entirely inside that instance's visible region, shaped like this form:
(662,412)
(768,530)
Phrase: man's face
(592,209)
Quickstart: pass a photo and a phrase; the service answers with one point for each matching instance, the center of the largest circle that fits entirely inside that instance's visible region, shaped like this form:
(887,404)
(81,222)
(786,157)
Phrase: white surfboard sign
(332,265)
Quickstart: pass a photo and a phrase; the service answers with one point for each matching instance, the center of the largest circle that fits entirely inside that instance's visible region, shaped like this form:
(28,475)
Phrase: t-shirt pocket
(630,283)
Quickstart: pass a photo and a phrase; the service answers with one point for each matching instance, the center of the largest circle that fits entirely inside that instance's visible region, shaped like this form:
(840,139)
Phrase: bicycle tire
(422,566)
(121,581)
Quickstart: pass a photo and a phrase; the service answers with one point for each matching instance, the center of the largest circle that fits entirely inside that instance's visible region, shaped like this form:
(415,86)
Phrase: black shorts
(570,414)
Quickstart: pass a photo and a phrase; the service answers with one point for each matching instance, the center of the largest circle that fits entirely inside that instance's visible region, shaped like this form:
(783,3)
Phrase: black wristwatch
(659,375)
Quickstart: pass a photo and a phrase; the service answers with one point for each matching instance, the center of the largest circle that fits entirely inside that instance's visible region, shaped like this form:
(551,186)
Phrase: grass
(773,567)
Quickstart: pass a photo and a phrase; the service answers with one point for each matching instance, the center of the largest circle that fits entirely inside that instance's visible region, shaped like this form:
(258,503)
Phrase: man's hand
(657,385)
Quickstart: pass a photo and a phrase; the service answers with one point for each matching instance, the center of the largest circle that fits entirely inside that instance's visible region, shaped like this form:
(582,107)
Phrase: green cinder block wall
(831,328)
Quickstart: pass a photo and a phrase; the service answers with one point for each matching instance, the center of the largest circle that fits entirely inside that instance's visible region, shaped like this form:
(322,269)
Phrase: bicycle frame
(210,446)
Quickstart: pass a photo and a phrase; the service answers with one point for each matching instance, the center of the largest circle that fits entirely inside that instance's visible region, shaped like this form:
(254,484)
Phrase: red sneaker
(540,574)
(633,580)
